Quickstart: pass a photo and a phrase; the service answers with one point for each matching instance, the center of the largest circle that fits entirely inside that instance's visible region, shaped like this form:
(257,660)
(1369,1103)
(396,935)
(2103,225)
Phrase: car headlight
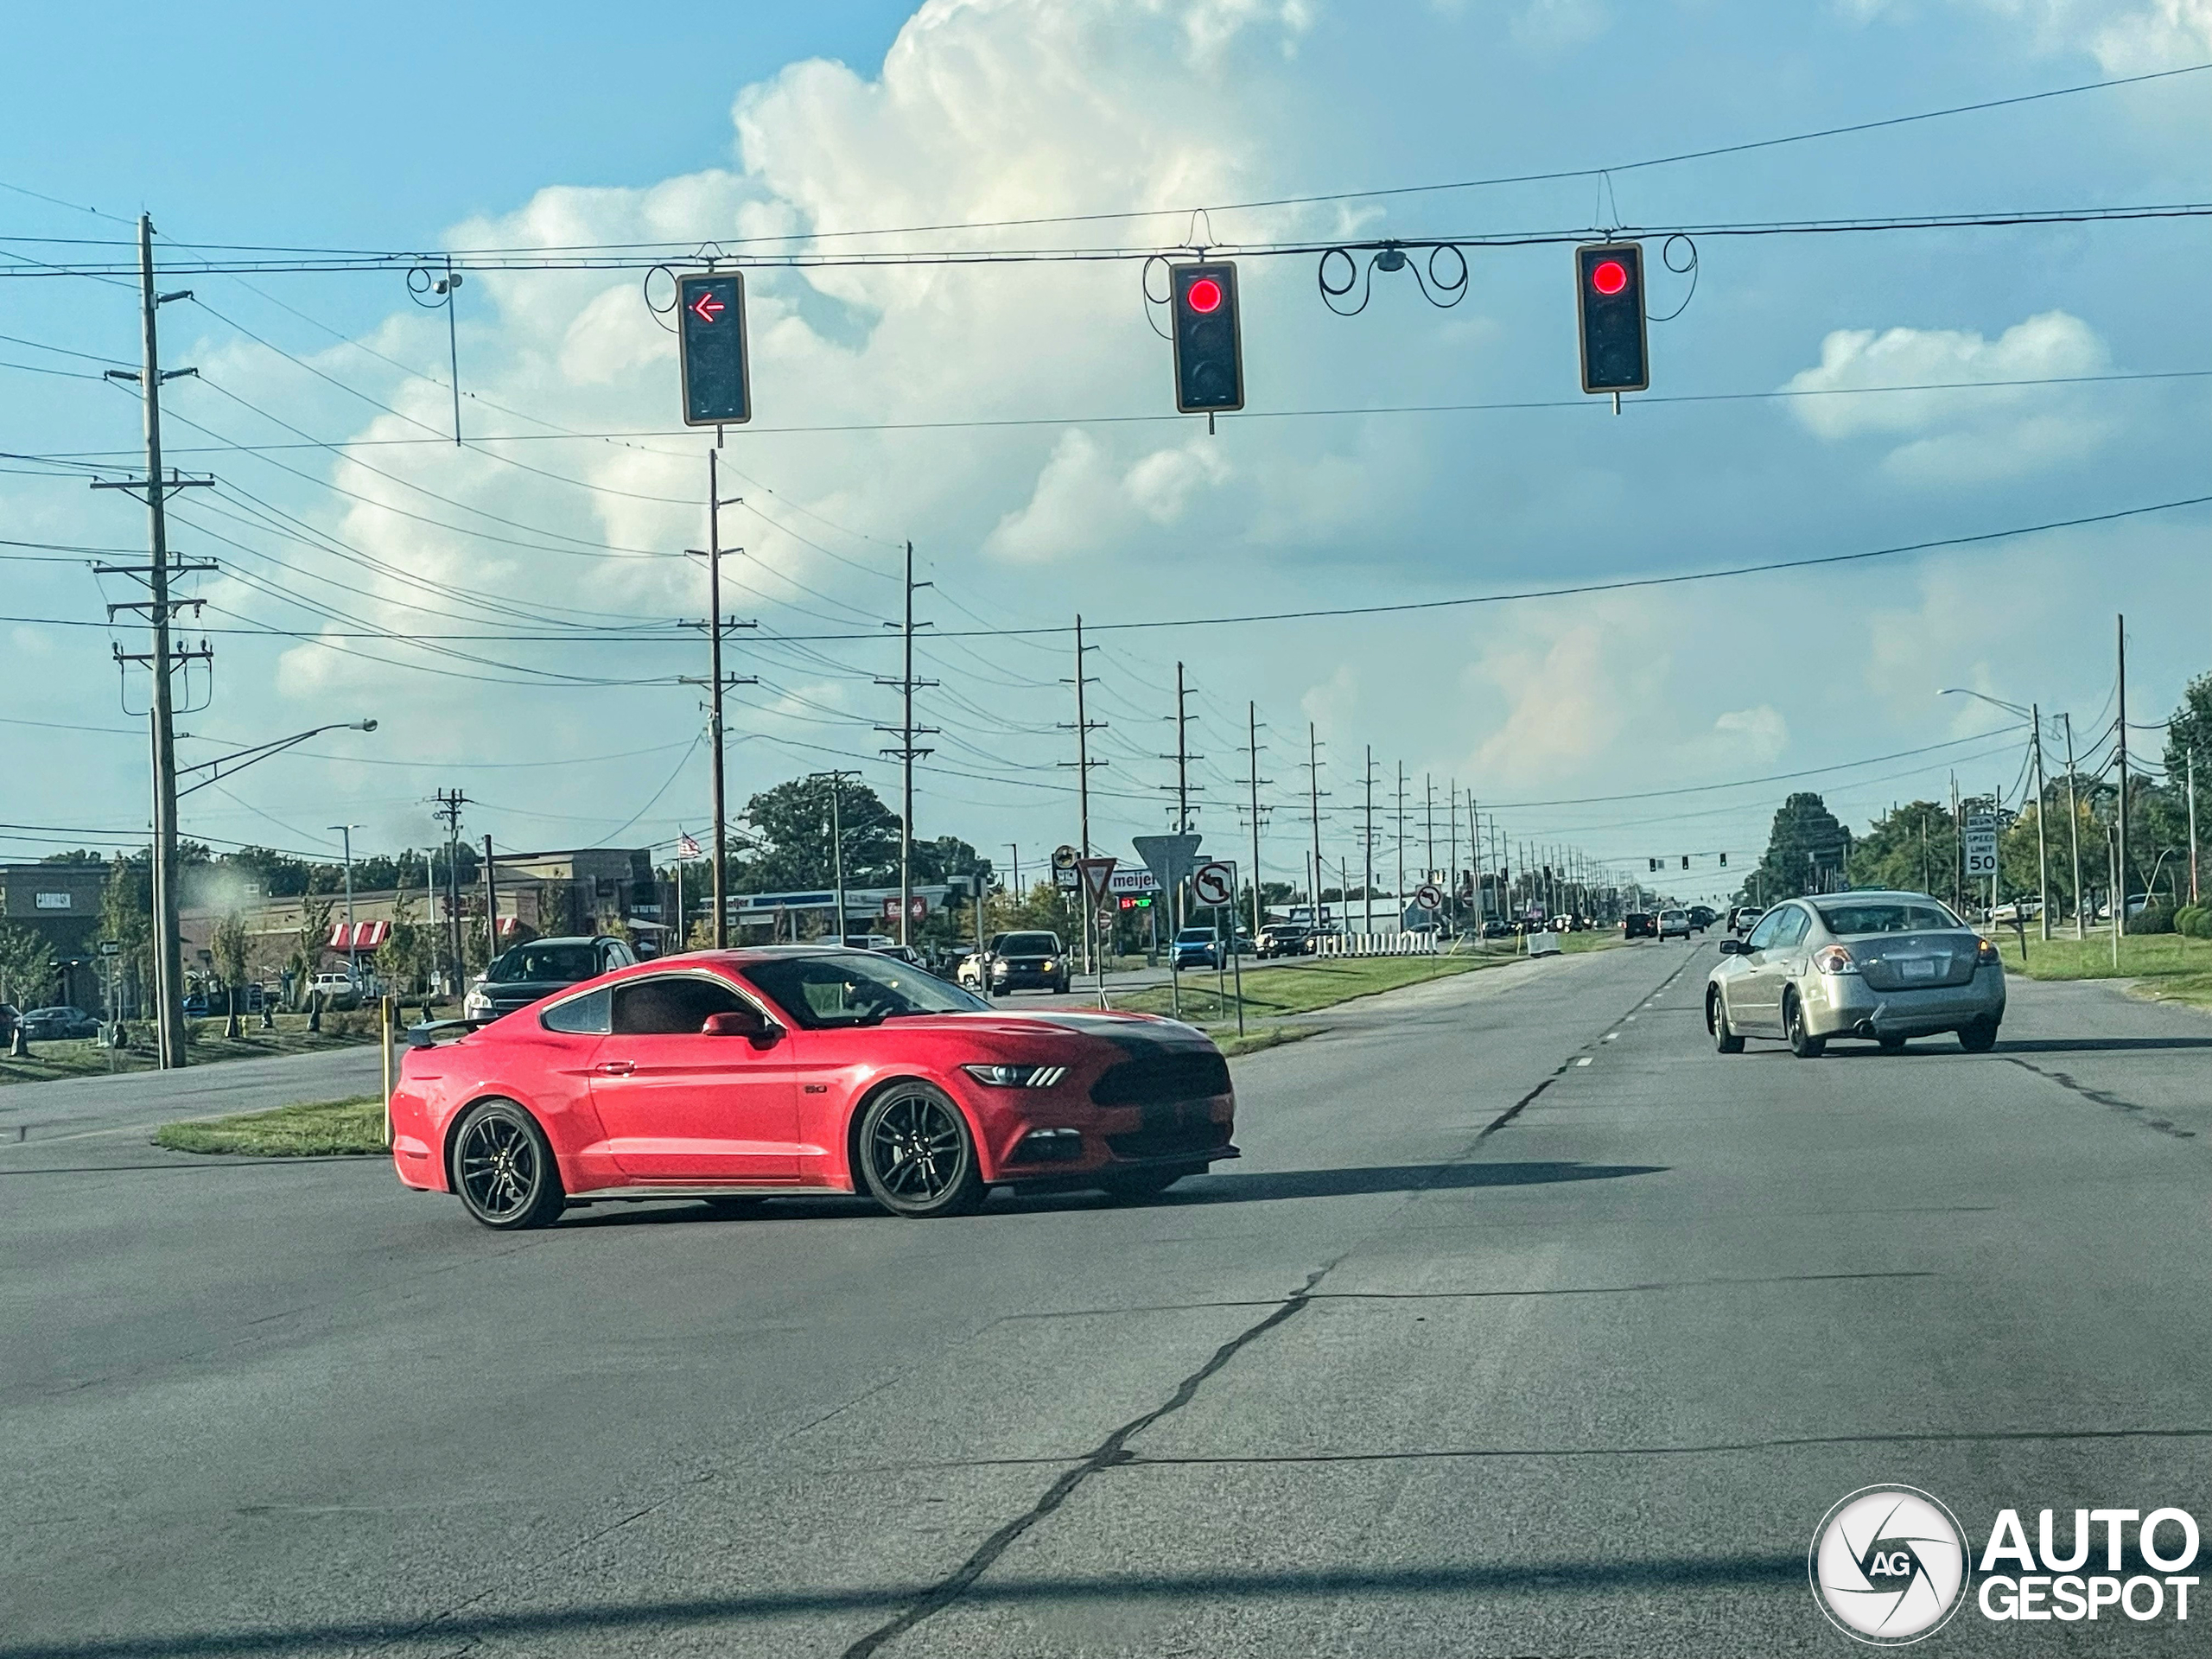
(1834,959)
(1016,1077)
(1051,965)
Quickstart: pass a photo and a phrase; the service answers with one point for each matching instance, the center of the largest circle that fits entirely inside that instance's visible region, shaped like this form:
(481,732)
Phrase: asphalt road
(1527,1326)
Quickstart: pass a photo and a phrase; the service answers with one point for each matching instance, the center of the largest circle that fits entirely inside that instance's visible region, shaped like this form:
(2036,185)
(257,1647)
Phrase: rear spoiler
(429,1034)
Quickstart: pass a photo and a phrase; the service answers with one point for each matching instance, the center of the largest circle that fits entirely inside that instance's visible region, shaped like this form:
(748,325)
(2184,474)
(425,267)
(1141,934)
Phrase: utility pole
(2074,831)
(1313,812)
(159,609)
(1015,890)
(1084,726)
(2191,757)
(449,803)
(2042,855)
(1182,757)
(835,781)
(1399,906)
(2119,891)
(352,950)
(1367,885)
(717,682)
(907,732)
(1252,736)
(1452,844)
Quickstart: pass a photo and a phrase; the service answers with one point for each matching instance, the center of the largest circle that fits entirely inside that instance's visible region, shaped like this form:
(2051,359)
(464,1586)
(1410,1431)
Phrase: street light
(352,945)
(239,759)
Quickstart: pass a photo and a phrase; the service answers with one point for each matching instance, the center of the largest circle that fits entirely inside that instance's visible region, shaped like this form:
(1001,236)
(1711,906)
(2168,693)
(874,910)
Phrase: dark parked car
(523,975)
(51,1025)
(1639,925)
(1284,940)
(1027,961)
(1703,916)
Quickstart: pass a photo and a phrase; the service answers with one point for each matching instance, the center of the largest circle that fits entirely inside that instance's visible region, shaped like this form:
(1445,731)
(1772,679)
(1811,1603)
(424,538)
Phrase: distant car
(1195,947)
(1027,961)
(1886,967)
(1639,925)
(1703,916)
(1496,930)
(201,1004)
(529,973)
(904,953)
(1744,918)
(1674,923)
(57,1024)
(1284,940)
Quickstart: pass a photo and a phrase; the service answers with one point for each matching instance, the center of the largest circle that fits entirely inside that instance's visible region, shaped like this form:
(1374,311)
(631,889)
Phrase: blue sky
(425,129)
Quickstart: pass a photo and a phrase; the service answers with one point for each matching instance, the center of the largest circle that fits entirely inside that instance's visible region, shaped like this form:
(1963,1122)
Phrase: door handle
(615,1068)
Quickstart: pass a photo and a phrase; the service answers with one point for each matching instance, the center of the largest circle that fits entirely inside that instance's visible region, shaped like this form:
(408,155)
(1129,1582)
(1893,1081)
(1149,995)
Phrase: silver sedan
(1887,967)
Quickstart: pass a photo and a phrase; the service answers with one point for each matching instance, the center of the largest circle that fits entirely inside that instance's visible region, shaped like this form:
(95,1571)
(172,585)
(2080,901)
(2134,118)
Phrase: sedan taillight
(1985,953)
(1834,959)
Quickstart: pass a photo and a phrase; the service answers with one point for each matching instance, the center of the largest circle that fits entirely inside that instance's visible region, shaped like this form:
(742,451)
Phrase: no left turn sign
(1215,883)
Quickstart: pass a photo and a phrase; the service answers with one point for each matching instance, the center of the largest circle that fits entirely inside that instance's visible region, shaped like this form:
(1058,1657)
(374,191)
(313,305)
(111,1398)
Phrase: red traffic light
(1609,276)
(1203,296)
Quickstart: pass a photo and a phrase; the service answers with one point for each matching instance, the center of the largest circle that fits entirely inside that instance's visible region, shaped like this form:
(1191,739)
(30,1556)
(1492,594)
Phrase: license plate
(1922,968)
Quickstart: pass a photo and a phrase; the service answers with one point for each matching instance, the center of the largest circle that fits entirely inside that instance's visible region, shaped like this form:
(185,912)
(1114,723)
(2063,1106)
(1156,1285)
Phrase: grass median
(2165,967)
(1318,983)
(320,1128)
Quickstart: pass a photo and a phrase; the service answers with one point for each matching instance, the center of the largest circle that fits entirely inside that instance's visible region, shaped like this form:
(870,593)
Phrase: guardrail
(1375,944)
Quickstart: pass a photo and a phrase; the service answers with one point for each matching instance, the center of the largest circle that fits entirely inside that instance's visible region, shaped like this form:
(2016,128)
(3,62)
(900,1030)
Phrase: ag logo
(1888,1565)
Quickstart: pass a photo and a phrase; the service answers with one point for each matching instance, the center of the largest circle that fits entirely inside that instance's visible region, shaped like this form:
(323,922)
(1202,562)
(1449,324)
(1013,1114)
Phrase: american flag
(687,846)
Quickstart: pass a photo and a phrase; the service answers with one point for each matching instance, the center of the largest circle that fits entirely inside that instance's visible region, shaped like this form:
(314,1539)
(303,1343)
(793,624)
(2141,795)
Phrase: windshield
(1195,935)
(1886,916)
(1029,944)
(565,963)
(852,989)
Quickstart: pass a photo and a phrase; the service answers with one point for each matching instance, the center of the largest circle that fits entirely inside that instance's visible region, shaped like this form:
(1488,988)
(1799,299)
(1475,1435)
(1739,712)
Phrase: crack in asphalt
(1109,1451)
(2164,1126)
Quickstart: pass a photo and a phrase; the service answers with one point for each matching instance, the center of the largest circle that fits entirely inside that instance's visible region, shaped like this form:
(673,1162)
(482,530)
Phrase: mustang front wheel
(917,1156)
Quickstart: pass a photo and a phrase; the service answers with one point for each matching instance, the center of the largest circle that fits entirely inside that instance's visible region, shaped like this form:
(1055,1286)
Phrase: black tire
(1979,1037)
(917,1155)
(503,1168)
(1890,1044)
(1140,1184)
(1802,1043)
(1060,986)
(1725,1040)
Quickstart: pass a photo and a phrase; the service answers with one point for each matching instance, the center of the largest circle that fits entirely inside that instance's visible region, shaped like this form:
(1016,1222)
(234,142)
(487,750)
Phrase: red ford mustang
(732,1075)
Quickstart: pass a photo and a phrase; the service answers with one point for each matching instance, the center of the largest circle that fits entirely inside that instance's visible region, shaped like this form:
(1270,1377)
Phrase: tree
(127,917)
(24,975)
(309,942)
(791,847)
(409,954)
(1911,848)
(229,945)
(1806,851)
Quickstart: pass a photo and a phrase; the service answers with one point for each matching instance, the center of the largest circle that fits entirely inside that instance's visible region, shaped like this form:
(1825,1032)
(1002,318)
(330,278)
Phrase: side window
(1795,924)
(1768,933)
(586,1015)
(674,1006)
(619,955)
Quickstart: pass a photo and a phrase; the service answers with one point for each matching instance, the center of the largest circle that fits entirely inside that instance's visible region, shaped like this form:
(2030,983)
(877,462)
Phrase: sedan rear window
(1886,916)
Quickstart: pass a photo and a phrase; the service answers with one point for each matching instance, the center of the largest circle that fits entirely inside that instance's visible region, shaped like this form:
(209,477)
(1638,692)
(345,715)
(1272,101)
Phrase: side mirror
(746,1022)
(1734,948)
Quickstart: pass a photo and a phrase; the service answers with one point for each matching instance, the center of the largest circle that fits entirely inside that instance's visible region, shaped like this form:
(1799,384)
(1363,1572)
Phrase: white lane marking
(1631,1016)
(1609,1036)
(1585,1060)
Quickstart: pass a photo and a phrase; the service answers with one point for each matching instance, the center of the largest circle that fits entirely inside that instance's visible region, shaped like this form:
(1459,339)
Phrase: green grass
(2141,955)
(1322,982)
(2193,989)
(1252,1042)
(86,1058)
(322,1128)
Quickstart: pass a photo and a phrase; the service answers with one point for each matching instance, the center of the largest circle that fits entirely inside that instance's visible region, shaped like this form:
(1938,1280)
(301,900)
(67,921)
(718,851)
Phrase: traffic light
(1209,352)
(1609,301)
(1654,870)
(710,335)
(1724,860)
(1685,860)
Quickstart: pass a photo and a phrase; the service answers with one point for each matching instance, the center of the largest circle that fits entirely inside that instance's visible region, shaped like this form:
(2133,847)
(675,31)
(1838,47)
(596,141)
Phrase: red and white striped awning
(364,935)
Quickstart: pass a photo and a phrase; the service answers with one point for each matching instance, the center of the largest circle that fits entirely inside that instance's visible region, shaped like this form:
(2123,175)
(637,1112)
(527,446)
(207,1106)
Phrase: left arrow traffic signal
(710,336)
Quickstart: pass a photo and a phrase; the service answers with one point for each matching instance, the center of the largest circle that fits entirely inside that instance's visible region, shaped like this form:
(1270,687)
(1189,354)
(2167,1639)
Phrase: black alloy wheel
(1725,1040)
(918,1157)
(503,1168)
(1802,1043)
(1979,1037)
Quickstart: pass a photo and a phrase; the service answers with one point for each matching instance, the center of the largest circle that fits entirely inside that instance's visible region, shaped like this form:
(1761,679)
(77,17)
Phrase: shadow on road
(1850,1048)
(580,1624)
(1220,1188)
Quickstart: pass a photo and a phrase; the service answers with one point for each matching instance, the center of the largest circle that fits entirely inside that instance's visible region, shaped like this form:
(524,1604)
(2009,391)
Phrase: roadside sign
(1429,896)
(1063,857)
(111,948)
(1066,879)
(1095,873)
(1981,844)
(1129,881)
(1215,885)
(918,908)
(1168,857)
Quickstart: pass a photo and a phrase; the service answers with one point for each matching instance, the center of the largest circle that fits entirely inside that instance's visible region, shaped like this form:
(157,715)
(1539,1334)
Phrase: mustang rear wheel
(503,1168)
(917,1154)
